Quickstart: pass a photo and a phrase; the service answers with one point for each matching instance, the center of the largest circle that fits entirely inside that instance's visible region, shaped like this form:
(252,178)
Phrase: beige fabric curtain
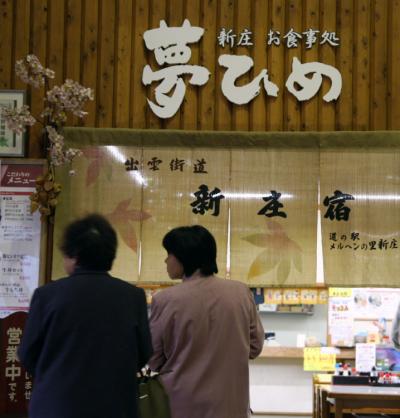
(168,196)
(247,167)
(360,226)
(102,185)
(273,241)
(144,204)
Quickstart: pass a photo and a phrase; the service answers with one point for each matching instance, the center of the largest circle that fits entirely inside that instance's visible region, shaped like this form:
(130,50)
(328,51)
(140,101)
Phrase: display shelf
(297,352)
(285,313)
(299,309)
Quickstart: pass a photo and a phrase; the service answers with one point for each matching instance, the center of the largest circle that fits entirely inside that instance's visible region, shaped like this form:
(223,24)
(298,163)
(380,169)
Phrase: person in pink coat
(204,331)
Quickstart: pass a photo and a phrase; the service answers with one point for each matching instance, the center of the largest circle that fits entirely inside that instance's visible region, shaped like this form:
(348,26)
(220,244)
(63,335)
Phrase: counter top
(297,352)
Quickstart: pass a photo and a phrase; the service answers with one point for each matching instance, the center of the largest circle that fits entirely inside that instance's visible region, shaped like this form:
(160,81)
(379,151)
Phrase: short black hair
(92,241)
(194,247)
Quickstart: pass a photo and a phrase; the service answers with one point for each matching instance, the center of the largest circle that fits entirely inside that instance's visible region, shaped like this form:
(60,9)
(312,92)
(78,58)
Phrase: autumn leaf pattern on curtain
(273,210)
(216,187)
(102,185)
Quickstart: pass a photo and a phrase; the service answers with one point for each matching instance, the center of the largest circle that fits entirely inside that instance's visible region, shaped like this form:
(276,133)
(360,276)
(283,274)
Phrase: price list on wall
(20,235)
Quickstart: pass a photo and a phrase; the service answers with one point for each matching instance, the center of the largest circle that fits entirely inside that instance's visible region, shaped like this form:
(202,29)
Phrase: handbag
(153,401)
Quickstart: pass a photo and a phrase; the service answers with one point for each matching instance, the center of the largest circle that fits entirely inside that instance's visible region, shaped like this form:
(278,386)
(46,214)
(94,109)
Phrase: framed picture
(11,143)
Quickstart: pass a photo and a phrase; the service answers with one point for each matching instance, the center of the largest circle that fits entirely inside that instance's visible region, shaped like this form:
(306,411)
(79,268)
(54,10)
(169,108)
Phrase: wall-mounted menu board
(20,235)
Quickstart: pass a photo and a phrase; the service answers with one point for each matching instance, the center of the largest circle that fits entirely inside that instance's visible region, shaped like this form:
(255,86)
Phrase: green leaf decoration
(3,142)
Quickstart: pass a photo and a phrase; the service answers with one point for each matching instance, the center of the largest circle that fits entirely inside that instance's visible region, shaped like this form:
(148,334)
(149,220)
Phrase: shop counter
(278,375)
(355,399)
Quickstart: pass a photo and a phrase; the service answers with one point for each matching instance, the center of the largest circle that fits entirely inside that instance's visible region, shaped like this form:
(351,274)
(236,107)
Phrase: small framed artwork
(11,144)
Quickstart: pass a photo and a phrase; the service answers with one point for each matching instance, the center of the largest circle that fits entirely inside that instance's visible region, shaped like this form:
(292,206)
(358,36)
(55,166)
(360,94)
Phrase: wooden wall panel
(123,63)
(393,65)
(379,68)
(72,63)
(89,59)
(38,45)
(327,56)
(55,53)
(292,109)
(243,21)
(206,109)
(344,107)
(106,64)
(189,110)
(6,29)
(362,62)
(223,108)
(311,20)
(139,92)
(276,67)
(73,39)
(259,23)
(100,44)
(21,37)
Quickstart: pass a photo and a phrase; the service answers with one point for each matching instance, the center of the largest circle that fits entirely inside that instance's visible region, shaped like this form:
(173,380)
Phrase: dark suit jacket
(85,338)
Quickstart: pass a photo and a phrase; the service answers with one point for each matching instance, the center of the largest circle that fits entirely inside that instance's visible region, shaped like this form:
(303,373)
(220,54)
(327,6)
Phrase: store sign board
(171,50)
(15,382)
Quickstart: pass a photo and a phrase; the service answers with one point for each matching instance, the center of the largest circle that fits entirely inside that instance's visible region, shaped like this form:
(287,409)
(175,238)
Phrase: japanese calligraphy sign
(273,234)
(291,39)
(258,193)
(15,383)
(360,213)
(171,48)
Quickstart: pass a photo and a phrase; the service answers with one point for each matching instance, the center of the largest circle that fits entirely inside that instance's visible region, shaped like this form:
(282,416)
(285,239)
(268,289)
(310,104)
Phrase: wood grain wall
(99,43)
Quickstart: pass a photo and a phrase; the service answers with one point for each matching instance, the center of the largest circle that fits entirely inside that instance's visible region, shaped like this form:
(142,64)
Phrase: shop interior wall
(274,380)
(100,43)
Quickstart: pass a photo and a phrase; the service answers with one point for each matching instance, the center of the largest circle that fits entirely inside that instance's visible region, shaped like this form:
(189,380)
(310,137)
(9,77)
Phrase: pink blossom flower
(60,155)
(32,72)
(70,97)
(18,118)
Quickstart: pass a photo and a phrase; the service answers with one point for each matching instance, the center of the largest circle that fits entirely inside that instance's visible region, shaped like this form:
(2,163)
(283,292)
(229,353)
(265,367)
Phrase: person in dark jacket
(87,334)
